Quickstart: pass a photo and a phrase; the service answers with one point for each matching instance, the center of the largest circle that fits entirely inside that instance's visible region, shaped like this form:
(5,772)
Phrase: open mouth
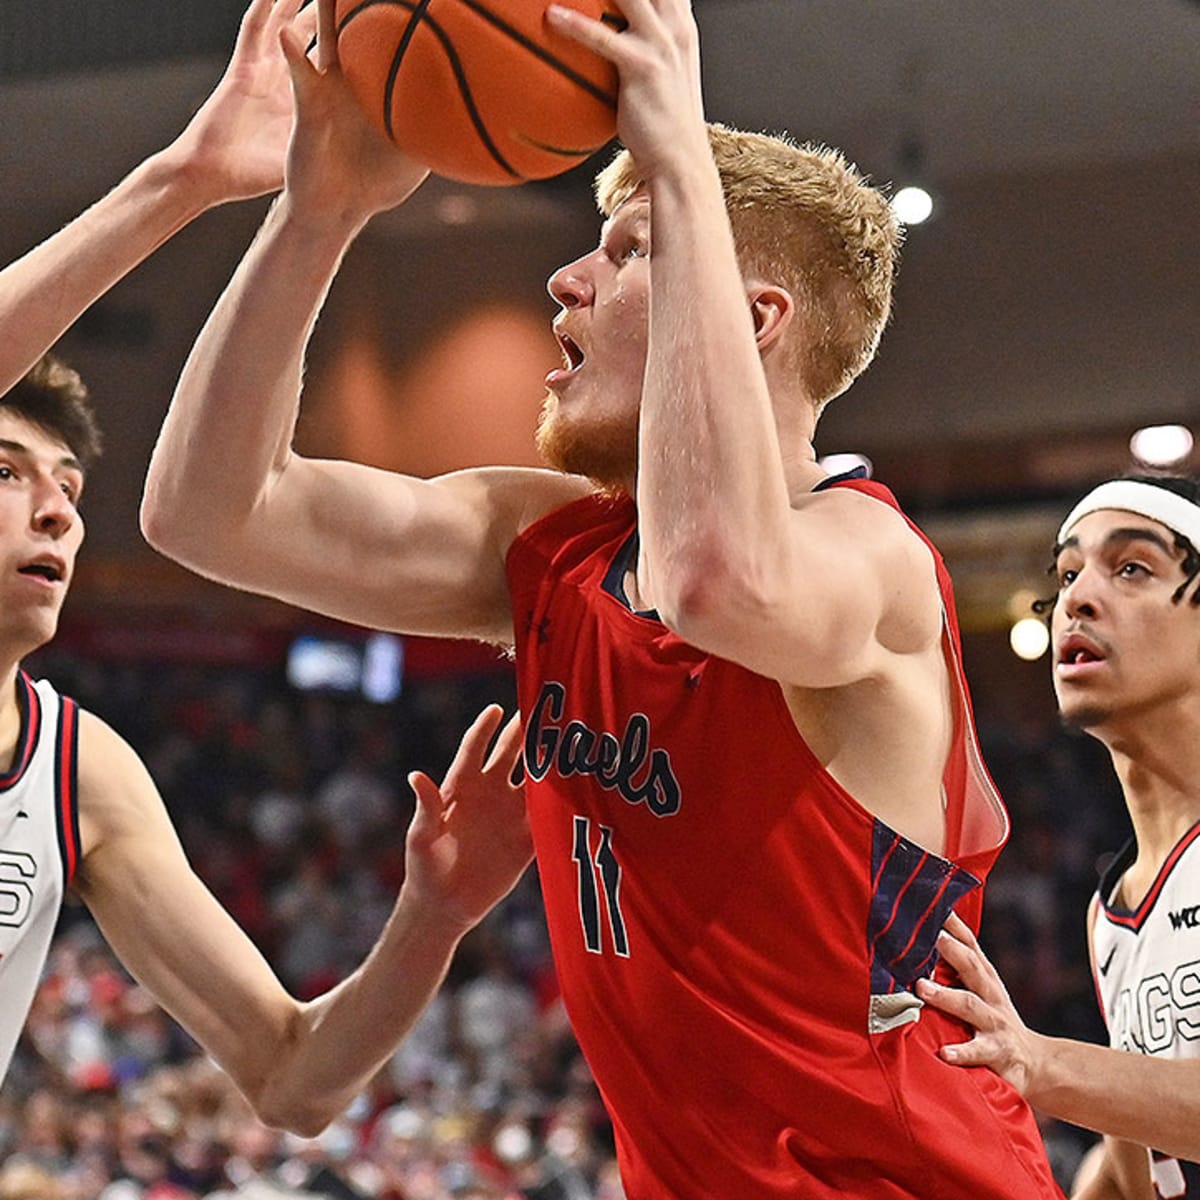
(51,572)
(573,355)
(1076,651)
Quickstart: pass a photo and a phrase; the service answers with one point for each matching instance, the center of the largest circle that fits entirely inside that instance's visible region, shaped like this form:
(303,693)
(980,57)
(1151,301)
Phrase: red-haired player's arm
(299,1064)
(231,149)
(228,497)
(817,591)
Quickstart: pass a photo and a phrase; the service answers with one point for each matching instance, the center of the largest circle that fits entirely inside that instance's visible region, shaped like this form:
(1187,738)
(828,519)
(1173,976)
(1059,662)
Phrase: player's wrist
(187,171)
(168,183)
(1046,1074)
(435,913)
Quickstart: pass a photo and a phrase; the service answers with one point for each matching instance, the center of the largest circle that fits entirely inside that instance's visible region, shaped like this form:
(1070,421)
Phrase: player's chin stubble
(602,451)
(1083,718)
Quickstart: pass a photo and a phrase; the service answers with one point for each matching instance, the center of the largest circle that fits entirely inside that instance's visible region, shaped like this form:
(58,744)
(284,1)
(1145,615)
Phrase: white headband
(1166,507)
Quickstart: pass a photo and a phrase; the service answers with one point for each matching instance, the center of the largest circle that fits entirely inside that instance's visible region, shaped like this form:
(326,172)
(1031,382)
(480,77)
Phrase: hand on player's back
(1002,1041)
(339,170)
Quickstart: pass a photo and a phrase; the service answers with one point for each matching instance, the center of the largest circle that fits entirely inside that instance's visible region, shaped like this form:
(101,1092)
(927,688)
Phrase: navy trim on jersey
(1134,919)
(912,893)
(833,480)
(66,787)
(614,578)
(30,705)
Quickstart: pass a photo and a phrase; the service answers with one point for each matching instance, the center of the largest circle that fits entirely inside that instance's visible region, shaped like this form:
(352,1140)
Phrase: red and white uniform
(736,937)
(39,847)
(1147,972)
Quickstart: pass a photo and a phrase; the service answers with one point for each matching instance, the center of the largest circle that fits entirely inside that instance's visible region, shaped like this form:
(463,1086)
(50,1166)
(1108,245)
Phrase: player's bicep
(163,923)
(382,549)
(377,548)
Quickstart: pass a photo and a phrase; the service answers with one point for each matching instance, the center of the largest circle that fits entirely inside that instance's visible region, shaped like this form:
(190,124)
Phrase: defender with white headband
(1147,498)
(1126,670)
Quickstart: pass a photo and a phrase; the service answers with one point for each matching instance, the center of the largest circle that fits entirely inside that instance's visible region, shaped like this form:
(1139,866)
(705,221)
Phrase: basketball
(481,91)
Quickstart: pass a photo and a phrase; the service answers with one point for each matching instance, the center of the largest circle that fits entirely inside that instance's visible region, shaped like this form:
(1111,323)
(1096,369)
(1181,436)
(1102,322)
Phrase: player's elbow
(284,1100)
(200,533)
(166,520)
(708,607)
(711,594)
(157,526)
(305,1116)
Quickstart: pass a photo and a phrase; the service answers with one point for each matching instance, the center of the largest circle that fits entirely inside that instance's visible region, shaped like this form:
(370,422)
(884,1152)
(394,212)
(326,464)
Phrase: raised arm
(232,149)
(298,1064)
(1135,1097)
(227,496)
(814,590)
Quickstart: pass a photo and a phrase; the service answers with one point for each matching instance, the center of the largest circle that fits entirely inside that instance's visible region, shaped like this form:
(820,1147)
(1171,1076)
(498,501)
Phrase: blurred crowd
(292,807)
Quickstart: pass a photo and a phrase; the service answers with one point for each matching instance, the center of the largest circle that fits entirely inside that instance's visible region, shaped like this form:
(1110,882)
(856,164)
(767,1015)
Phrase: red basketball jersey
(736,937)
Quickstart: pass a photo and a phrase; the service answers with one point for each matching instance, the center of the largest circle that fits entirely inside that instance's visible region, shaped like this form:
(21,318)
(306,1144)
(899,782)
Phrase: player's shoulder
(864,517)
(857,500)
(104,757)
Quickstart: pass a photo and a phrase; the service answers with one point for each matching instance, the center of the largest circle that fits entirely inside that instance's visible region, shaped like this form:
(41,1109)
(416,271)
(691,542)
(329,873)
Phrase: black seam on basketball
(547,148)
(416,14)
(565,69)
(420,14)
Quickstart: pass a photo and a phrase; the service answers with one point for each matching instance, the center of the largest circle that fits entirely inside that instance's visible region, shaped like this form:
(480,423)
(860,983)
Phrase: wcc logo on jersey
(626,764)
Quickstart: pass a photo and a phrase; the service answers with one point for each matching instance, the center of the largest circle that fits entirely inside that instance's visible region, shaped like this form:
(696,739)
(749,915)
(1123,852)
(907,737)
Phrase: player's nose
(571,285)
(53,511)
(1080,598)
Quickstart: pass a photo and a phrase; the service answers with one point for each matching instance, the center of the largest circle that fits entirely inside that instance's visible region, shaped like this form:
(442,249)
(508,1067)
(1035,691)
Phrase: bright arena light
(1029,638)
(839,464)
(1161,445)
(912,205)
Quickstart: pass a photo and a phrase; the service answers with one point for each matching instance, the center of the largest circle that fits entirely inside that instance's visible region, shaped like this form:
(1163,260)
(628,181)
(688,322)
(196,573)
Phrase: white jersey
(1147,971)
(39,847)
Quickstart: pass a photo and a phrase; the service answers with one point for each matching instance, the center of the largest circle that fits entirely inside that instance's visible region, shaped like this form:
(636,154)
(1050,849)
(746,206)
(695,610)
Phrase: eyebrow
(634,209)
(68,460)
(1130,533)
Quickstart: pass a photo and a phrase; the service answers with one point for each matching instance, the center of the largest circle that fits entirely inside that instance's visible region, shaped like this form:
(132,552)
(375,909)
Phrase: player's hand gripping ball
(481,91)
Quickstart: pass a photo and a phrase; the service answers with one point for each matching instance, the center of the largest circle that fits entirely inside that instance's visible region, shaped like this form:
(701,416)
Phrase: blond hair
(803,218)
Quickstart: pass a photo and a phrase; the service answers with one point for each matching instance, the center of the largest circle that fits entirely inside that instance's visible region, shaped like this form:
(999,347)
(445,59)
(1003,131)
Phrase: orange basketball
(479,90)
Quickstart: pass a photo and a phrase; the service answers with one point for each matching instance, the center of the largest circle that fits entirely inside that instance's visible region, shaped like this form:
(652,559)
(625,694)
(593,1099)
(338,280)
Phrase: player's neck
(1158,765)
(10,717)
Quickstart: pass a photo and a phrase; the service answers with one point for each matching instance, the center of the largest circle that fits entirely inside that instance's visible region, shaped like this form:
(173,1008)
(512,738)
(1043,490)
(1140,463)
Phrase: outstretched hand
(234,146)
(660,107)
(1002,1040)
(339,167)
(469,841)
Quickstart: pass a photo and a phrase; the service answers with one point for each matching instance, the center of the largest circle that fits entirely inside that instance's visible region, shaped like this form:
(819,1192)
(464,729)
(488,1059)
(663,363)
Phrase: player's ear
(772,309)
